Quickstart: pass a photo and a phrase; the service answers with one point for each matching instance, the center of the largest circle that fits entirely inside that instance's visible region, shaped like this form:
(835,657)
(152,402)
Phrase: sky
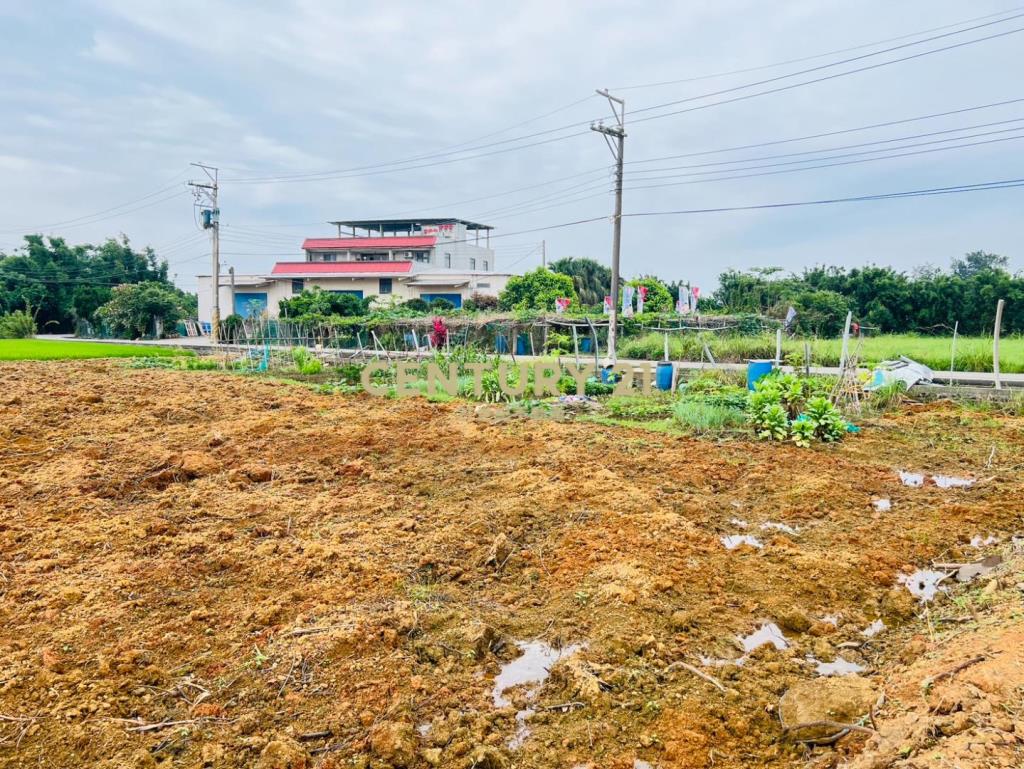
(317,110)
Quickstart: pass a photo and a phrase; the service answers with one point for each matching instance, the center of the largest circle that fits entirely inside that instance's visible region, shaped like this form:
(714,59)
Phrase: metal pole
(544,254)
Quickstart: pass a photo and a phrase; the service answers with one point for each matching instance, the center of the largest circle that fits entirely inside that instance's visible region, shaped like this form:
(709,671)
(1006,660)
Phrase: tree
(67,283)
(318,302)
(658,297)
(536,290)
(979,261)
(133,307)
(592,280)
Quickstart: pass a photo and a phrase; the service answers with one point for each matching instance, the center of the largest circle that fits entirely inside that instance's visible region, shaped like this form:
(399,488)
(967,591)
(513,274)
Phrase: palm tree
(593,281)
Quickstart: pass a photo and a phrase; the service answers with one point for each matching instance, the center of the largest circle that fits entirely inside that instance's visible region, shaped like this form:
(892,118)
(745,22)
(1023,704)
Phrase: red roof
(347,244)
(340,268)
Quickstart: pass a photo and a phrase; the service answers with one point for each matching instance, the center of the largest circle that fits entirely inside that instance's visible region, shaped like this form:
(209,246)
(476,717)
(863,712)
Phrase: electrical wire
(978,187)
(356,171)
(809,168)
(815,56)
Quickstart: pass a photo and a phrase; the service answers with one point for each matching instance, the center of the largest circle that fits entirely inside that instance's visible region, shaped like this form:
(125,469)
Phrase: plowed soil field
(199,569)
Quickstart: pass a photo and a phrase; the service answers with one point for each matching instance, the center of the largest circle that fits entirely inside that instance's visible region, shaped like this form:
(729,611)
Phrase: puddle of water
(969,571)
(952,482)
(977,541)
(882,505)
(923,583)
(873,629)
(531,667)
(785,528)
(739,522)
(732,541)
(840,667)
(522,729)
(911,479)
(768,633)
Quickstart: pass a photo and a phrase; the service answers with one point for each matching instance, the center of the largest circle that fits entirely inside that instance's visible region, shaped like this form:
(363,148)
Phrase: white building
(388,259)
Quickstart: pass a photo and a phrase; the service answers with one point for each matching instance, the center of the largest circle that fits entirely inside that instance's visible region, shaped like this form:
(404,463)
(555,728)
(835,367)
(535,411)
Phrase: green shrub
(305,362)
(702,417)
(640,408)
(17,325)
(441,305)
(802,432)
(416,305)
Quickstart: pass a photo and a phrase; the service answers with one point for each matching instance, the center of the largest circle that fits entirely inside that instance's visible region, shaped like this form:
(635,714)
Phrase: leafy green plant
(829,425)
(771,422)
(640,408)
(802,433)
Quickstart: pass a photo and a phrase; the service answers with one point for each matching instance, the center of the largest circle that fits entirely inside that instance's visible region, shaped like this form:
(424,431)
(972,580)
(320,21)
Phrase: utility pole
(617,149)
(544,254)
(206,198)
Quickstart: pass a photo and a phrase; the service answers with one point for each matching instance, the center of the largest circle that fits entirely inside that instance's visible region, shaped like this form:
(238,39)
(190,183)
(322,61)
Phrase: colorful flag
(562,304)
(607,305)
(641,295)
(627,301)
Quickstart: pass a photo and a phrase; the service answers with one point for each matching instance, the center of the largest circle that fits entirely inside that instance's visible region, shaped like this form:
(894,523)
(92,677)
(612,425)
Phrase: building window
(330,257)
(485,265)
(472,263)
(447,260)
(420,256)
(298,285)
(385,286)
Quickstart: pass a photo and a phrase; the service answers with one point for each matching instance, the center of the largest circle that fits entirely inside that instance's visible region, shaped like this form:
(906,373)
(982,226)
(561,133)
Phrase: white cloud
(106,49)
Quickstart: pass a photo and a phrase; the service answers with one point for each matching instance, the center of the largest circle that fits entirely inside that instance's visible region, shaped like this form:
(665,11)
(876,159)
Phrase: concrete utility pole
(617,149)
(206,199)
(544,254)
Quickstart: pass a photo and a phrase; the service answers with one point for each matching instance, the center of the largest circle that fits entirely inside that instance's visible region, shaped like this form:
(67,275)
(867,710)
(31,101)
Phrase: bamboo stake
(576,346)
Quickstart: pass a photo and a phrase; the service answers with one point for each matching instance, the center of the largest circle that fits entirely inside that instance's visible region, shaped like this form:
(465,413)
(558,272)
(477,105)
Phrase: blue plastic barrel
(410,339)
(502,344)
(586,344)
(663,376)
(522,344)
(757,369)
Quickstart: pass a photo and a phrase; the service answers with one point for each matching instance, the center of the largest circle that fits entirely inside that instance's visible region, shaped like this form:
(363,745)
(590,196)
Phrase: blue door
(455,299)
(251,304)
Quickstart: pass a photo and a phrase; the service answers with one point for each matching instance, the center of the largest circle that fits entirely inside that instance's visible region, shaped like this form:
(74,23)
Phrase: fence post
(778,347)
(846,344)
(807,358)
(995,342)
(952,351)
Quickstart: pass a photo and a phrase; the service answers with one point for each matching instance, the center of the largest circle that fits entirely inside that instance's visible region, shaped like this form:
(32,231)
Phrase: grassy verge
(53,349)
(972,353)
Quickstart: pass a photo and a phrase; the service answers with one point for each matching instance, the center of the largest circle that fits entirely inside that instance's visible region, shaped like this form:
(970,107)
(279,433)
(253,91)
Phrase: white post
(846,343)
(995,342)
(778,347)
(807,358)
(666,346)
(952,350)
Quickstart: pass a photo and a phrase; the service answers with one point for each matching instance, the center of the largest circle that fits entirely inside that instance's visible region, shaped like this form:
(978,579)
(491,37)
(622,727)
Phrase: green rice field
(55,349)
(972,353)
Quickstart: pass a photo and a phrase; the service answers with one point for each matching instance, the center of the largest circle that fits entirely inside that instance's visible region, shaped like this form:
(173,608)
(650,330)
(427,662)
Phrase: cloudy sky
(318,110)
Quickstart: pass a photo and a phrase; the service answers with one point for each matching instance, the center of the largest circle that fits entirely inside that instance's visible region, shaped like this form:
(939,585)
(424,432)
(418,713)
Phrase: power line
(354,172)
(169,186)
(835,148)
(815,56)
(828,165)
(817,80)
(979,187)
